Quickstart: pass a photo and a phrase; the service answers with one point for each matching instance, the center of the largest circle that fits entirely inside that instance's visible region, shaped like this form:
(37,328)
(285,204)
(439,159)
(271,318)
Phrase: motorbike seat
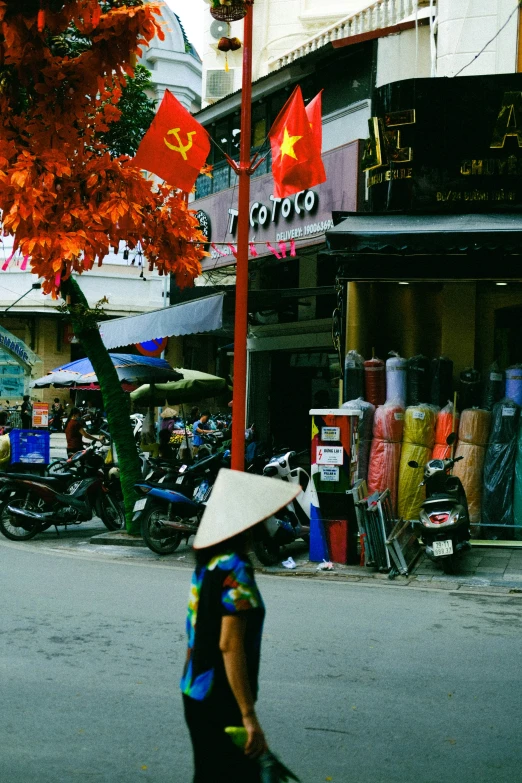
(51,481)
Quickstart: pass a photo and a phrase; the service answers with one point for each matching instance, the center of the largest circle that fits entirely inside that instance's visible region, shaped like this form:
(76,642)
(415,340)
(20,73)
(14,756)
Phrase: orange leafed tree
(63,198)
(65,201)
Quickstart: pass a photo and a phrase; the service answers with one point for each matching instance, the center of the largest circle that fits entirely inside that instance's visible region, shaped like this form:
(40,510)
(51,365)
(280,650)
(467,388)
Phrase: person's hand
(256,743)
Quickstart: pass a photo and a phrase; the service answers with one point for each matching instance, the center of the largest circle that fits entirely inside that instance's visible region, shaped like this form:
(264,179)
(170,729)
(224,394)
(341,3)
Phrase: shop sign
(303,217)
(330,433)
(329,455)
(446,145)
(17,349)
(40,414)
(329,473)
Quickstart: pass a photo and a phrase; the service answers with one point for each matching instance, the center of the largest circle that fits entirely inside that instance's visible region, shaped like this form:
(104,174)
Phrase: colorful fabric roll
(375,381)
(469,389)
(470,471)
(499,466)
(388,422)
(475,426)
(365,433)
(396,379)
(419,425)
(411,494)
(383,471)
(444,427)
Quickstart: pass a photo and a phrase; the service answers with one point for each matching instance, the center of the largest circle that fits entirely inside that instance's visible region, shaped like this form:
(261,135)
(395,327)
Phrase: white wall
(404,56)
(465,26)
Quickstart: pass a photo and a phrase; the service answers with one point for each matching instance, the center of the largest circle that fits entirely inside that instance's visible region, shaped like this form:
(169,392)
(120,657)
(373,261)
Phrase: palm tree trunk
(117,405)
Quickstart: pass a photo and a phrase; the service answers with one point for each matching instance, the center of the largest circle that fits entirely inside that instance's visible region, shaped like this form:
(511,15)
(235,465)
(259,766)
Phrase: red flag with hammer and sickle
(175,147)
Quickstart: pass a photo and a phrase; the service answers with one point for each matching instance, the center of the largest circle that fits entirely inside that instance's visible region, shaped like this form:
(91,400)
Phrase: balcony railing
(378,16)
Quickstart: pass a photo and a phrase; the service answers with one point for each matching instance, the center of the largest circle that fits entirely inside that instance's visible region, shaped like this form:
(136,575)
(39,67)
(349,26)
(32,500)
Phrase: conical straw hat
(239,501)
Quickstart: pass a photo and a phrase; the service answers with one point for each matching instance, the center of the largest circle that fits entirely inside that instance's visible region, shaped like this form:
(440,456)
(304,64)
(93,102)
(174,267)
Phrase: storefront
(291,295)
(435,269)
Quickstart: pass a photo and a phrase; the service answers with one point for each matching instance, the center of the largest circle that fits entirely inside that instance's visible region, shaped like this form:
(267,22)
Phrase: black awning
(413,234)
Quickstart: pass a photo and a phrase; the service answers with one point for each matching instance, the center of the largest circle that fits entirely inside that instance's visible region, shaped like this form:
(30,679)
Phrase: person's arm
(85,434)
(232,646)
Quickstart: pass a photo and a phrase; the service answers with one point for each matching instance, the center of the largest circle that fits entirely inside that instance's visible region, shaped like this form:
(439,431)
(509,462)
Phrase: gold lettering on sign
(509,121)
(384,145)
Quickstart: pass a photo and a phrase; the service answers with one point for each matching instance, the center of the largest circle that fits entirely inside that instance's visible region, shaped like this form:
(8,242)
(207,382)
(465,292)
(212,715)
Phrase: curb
(117,538)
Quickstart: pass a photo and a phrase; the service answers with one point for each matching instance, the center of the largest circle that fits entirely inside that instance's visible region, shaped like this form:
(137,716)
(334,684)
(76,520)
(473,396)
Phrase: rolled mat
(499,476)
(419,425)
(375,381)
(493,387)
(469,389)
(418,380)
(383,471)
(514,383)
(517,502)
(504,422)
(411,494)
(443,429)
(388,422)
(353,376)
(365,433)
(441,381)
(396,370)
(475,426)
(441,451)
(470,471)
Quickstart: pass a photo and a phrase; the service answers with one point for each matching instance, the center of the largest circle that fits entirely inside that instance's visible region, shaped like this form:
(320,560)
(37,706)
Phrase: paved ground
(359,683)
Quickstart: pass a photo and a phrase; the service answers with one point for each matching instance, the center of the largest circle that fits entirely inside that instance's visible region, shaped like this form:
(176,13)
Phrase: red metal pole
(243,228)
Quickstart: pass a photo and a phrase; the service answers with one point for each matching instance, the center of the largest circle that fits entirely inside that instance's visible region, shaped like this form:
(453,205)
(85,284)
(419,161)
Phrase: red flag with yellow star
(296,149)
(175,147)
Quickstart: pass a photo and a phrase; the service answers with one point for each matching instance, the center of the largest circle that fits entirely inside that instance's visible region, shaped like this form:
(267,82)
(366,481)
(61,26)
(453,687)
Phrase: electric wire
(508,20)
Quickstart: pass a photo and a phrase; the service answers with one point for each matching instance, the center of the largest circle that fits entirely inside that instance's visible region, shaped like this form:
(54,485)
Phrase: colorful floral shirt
(225,586)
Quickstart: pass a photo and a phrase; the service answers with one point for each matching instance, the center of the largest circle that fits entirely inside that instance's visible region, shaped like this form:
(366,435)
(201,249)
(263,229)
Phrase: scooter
(35,504)
(170,513)
(444,517)
(292,522)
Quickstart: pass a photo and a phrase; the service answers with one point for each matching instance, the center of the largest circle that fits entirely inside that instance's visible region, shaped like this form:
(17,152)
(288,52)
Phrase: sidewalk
(486,567)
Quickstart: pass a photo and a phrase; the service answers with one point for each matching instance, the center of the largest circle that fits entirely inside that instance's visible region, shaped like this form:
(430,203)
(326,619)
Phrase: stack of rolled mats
(385,454)
(499,466)
(365,427)
(474,429)
(417,445)
(447,422)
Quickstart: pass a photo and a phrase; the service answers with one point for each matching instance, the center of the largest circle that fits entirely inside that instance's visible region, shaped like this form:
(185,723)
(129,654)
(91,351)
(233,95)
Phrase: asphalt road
(358,684)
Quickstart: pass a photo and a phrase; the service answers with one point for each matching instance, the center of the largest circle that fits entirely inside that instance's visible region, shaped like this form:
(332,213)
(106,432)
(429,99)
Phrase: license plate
(441,548)
(140,504)
(180,480)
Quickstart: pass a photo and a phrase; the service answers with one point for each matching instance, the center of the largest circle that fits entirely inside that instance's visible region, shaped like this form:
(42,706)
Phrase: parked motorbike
(444,517)
(32,504)
(292,522)
(167,515)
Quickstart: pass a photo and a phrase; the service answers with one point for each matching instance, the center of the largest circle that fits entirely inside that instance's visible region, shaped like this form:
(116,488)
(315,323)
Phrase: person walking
(27,413)
(57,412)
(75,432)
(200,428)
(224,627)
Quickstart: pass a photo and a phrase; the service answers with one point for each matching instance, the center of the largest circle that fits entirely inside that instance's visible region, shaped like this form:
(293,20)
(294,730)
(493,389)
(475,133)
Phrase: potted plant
(228,10)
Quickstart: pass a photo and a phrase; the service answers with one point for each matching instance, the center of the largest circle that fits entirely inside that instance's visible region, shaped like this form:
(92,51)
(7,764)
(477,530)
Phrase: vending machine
(333,526)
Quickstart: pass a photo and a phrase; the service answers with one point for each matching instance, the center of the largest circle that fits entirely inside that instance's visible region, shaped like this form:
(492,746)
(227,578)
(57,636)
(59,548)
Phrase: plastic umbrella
(194,386)
(131,369)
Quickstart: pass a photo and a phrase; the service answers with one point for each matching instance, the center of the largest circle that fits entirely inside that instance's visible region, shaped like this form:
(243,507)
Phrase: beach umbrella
(193,386)
(132,370)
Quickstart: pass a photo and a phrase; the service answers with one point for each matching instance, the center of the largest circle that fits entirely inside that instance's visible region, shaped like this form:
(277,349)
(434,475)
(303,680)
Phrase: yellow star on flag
(287,147)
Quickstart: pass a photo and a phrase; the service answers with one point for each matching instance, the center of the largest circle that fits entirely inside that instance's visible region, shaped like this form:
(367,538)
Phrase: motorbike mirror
(452,437)
(413,464)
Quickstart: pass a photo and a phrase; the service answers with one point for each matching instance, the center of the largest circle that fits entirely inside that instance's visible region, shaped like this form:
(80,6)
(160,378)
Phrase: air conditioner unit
(219,84)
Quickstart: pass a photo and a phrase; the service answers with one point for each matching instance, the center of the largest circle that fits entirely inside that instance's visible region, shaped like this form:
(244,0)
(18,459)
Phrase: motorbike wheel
(151,531)
(111,513)
(9,525)
(265,549)
(58,468)
(449,564)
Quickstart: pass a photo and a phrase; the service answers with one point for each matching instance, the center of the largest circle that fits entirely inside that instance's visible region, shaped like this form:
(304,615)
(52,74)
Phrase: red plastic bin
(337,540)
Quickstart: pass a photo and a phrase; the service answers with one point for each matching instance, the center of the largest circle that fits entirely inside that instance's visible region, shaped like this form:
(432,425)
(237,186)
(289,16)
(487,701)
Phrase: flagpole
(243,227)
